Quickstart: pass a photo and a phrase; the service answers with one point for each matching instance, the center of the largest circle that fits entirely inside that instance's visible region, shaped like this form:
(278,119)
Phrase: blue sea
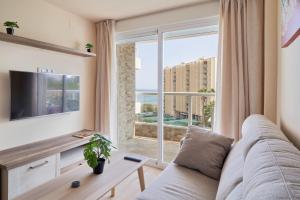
(146,99)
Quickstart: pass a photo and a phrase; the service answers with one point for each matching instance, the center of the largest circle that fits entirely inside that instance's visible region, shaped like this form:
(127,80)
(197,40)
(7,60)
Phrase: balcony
(181,109)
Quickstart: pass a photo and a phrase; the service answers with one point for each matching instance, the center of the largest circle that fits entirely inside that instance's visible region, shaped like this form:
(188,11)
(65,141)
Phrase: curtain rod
(165,10)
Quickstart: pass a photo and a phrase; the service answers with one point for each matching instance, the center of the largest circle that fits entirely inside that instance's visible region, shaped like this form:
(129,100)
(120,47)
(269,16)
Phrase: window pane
(189,86)
(137,99)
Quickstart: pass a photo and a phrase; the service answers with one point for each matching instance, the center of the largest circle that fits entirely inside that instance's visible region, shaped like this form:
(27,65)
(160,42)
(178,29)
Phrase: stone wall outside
(126,90)
(171,133)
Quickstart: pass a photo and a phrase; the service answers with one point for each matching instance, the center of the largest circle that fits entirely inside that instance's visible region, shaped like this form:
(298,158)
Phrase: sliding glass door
(166,82)
(189,85)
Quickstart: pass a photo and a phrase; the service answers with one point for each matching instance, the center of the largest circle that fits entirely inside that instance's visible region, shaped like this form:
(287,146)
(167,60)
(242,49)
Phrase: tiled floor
(149,147)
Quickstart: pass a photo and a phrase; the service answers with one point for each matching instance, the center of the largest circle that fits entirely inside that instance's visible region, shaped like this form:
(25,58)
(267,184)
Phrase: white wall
(288,106)
(42,21)
(203,10)
(289,94)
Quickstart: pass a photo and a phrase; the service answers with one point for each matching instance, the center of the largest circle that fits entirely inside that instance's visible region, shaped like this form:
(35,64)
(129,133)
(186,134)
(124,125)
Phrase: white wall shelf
(43,45)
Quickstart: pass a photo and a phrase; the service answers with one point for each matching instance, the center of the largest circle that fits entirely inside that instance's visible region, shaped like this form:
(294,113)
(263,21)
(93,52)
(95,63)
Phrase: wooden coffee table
(91,186)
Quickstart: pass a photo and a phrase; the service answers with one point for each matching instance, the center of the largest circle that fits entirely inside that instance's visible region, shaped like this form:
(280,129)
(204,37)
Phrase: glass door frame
(207,26)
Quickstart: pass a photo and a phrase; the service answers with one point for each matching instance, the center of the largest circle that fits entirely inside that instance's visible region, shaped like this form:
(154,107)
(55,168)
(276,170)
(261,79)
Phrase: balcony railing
(207,103)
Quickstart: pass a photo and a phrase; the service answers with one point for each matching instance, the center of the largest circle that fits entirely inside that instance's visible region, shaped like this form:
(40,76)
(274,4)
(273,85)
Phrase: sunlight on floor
(149,147)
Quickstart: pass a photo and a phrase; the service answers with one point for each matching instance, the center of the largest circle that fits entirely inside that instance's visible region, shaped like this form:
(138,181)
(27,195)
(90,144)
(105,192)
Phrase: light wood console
(30,165)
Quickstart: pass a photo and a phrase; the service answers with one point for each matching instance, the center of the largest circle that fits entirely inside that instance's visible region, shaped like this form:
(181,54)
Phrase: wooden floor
(130,187)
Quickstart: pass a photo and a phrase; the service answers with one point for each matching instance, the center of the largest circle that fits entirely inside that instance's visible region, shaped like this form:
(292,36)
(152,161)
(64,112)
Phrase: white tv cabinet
(28,166)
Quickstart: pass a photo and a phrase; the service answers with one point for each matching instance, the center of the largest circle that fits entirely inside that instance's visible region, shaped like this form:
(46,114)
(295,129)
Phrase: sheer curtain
(240,64)
(105,52)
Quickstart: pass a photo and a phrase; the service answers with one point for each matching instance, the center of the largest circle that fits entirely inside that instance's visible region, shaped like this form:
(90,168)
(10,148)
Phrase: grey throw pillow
(204,151)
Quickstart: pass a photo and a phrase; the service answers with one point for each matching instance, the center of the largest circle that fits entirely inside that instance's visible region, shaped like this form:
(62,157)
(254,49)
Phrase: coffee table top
(91,186)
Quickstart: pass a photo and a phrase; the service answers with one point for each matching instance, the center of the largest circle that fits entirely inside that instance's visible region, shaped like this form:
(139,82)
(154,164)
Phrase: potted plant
(10,27)
(89,47)
(97,151)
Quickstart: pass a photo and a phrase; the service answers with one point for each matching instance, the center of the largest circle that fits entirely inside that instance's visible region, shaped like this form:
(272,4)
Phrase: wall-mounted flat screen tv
(37,94)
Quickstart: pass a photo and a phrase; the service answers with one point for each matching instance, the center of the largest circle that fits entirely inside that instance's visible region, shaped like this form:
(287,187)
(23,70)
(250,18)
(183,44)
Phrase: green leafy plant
(208,111)
(10,24)
(205,90)
(99,147)
(89,46)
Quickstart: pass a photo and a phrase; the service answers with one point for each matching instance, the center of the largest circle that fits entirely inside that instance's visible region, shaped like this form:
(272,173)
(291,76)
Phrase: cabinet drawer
(26,177)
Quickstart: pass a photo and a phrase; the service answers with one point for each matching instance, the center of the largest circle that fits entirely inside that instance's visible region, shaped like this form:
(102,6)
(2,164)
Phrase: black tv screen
(37,94)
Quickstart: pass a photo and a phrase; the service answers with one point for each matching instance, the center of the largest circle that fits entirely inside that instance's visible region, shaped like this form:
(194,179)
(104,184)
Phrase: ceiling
(96,10)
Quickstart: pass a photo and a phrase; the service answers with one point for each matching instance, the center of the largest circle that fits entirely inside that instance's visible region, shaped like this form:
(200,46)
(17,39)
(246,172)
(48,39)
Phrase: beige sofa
(263,165)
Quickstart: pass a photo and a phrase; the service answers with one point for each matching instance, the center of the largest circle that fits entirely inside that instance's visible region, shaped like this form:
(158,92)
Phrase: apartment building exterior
(188,77)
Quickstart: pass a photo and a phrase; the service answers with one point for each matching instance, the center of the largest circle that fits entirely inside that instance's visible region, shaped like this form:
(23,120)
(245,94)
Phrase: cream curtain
(105,37)
(240,64)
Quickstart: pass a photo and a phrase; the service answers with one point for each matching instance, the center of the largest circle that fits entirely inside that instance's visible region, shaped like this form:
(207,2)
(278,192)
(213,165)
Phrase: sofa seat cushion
(178,183)
(272,171)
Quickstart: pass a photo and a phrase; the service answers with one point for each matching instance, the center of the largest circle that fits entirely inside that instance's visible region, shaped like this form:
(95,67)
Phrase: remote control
(75,184)
(132,159)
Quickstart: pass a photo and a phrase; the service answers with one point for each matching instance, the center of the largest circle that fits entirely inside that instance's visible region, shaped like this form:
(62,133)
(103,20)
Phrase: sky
(176,51)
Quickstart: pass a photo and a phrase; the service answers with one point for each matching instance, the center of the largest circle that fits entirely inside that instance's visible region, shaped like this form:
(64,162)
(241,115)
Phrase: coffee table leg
(141,178)
(113,192)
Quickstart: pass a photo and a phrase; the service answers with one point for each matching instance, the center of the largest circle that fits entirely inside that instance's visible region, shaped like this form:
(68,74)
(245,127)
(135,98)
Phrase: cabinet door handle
(39,165)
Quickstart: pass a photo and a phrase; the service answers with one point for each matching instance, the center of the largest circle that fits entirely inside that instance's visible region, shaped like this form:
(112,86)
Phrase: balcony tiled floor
(149,147)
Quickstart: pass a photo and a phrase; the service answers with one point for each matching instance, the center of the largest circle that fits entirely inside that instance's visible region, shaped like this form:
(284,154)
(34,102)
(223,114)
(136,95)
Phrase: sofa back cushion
(232,173)
(263,165)
(272,171)
(236,193)
(258,127)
